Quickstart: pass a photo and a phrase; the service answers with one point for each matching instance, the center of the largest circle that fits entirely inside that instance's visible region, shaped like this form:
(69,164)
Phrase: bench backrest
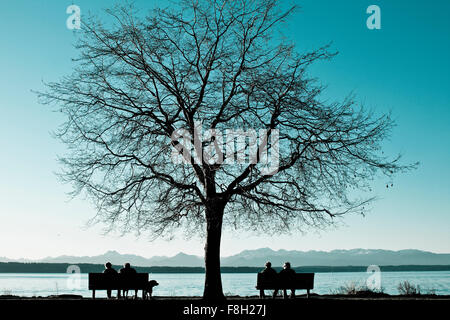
(297,281)
(101,281)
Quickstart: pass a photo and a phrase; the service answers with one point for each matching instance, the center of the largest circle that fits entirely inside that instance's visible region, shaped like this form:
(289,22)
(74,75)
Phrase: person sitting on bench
(269,274)
(127,269)
(110,270)
(286,276)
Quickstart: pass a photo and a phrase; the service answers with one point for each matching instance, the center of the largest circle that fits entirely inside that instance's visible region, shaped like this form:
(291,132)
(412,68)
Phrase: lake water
(242,284)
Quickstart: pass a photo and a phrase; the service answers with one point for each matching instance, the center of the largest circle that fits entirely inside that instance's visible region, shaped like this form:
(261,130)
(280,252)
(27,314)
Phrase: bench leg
(292,296)
(93,294)
(307,293)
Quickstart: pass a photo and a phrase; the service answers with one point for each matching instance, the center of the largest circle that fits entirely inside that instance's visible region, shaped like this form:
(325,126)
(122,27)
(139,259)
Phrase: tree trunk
(213,280)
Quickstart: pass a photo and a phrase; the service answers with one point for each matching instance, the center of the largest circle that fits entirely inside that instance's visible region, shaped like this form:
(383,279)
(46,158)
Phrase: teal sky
(403,68)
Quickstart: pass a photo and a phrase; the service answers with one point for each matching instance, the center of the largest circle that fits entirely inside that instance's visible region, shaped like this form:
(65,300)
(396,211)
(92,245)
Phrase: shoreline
(313,296)
(43,267)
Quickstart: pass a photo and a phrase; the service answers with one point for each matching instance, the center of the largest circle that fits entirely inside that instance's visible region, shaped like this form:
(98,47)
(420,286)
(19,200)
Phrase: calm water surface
(242,284)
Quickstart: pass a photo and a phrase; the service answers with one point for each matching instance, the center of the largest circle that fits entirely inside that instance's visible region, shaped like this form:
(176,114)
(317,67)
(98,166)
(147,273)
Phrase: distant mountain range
(257,258)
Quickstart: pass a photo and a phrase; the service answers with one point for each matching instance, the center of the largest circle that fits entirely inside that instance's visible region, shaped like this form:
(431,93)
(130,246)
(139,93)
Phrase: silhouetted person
(111,271)
(128,270)
(270,275)
(286,276)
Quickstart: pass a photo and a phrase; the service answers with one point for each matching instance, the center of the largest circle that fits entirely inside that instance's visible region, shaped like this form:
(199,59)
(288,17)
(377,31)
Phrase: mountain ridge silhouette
(257,257)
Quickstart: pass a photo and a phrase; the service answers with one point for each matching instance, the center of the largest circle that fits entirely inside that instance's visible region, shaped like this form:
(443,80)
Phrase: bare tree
(139,80)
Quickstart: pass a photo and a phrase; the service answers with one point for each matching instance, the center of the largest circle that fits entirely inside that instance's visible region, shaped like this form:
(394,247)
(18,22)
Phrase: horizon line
(188,254)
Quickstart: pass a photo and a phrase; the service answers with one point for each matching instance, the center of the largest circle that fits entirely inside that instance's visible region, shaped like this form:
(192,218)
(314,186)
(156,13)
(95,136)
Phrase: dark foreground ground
(316,306)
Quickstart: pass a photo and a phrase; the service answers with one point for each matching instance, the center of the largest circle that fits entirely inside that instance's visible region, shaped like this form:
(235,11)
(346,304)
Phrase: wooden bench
(299,281)
(101,281)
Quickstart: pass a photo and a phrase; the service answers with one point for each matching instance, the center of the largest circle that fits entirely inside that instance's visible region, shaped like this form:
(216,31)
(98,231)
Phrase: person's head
(127,265)
(287,265)
(108,265)
(268,264)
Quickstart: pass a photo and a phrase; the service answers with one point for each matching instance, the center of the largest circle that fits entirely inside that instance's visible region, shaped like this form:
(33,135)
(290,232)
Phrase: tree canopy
(139,81)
